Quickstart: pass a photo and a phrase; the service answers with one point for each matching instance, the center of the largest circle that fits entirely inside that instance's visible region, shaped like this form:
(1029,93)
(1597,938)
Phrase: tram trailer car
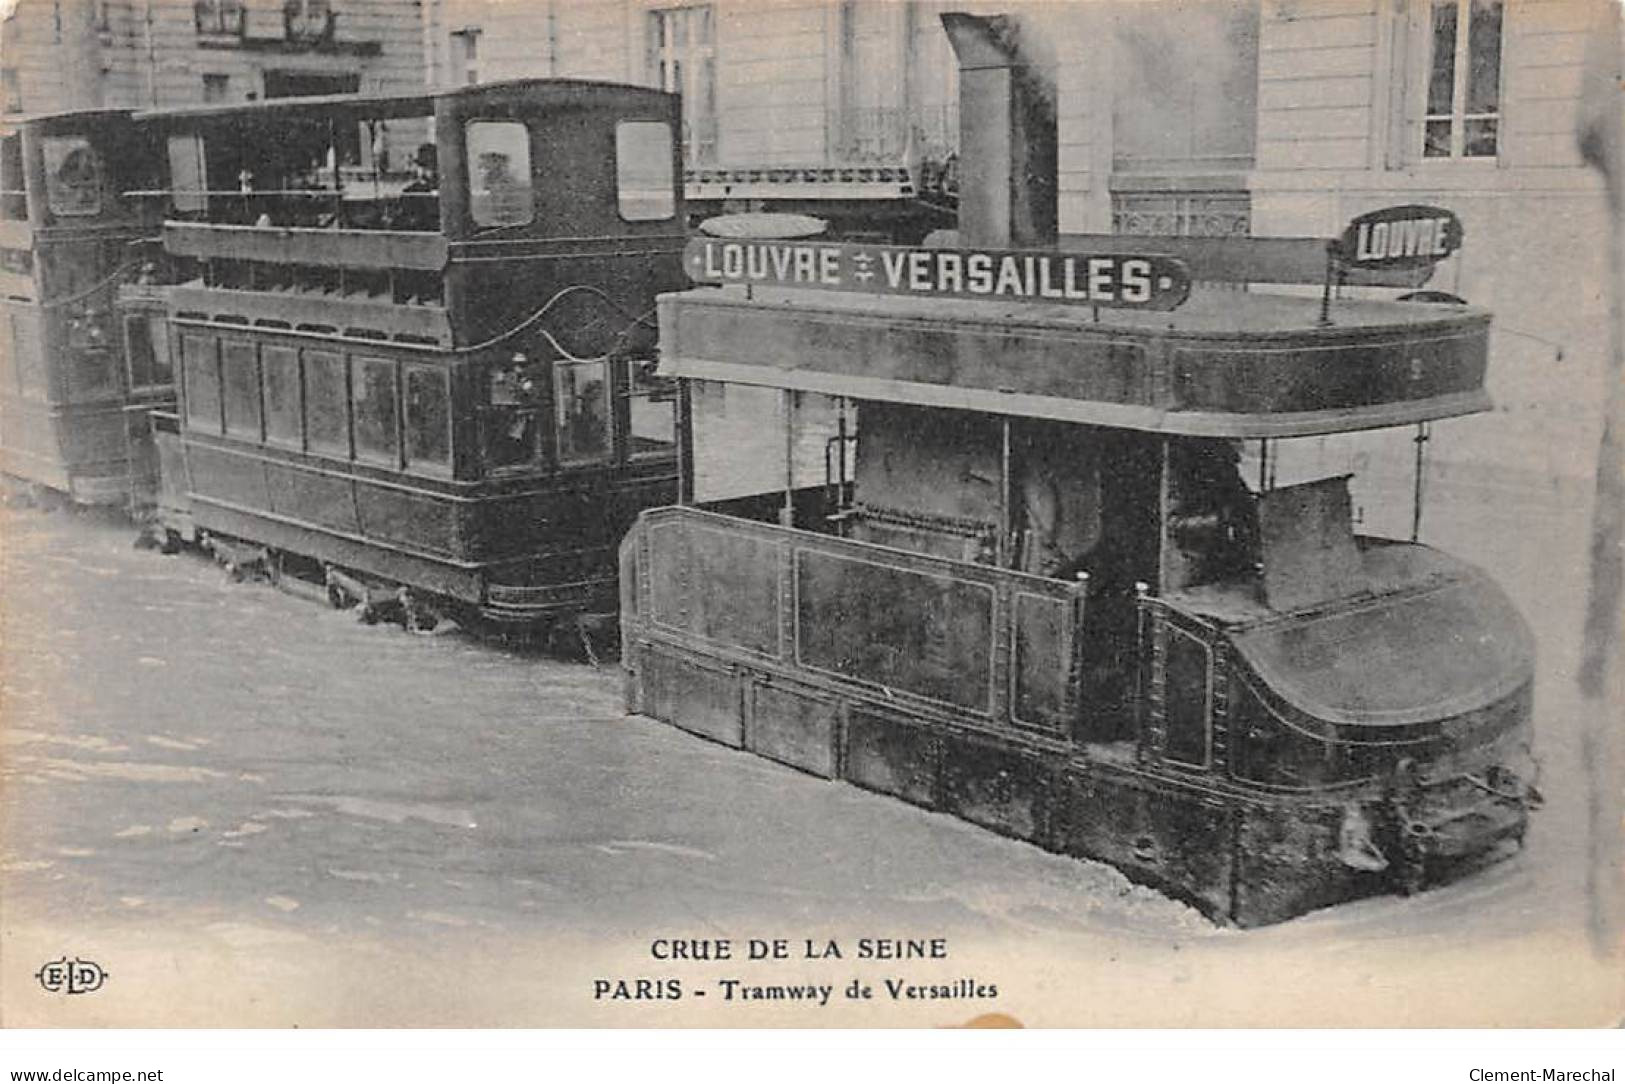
(1048,603)
(416,338)
(73,387)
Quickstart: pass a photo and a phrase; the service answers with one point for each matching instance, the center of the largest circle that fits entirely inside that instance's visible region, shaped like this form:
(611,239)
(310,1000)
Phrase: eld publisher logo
(74,976)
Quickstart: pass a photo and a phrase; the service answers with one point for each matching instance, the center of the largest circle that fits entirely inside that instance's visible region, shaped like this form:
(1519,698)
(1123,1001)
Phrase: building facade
(765,83)
(78,54)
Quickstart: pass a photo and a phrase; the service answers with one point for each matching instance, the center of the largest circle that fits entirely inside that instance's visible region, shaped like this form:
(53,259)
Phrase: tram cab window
(372,390)
(13,196)
(651,410)
(511,424)
(73,176)
(499,173)
(147,352)
(581,400)
(643,171)
(428,417)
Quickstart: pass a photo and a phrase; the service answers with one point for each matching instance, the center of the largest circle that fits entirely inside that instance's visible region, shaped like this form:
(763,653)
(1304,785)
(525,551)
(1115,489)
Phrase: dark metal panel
(736,596)
(317,497)
(1155,834)
(702,699)
(1041,661)
(995,787)
(929,635)
(419,521)
(794,728)
(888,755)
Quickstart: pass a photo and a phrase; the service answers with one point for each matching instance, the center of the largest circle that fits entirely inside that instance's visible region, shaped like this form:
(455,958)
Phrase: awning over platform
(1226,364)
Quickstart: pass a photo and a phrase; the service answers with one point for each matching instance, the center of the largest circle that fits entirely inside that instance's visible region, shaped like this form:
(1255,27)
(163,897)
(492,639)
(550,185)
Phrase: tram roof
(272,110)
(13,121)
(1225,364)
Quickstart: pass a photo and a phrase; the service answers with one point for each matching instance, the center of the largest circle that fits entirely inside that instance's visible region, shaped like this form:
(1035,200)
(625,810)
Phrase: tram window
(202,383)
(428,417)
(29,359)
(147,352)
(511,426)
(280,370)
(187,186)
(643,171)
(73,176)
(581,399)
(327,398)
(1188,686)
(93,372)
(372,389)
(499,173)
(13,197)
(240,378)
(652,411)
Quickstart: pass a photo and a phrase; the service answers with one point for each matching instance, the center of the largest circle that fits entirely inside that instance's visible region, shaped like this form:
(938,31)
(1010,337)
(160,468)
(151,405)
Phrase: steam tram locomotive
(414,337)
(1048,602)
(73,382)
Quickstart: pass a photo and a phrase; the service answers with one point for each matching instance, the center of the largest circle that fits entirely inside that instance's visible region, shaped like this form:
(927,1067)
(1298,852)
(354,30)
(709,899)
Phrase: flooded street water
(250,809)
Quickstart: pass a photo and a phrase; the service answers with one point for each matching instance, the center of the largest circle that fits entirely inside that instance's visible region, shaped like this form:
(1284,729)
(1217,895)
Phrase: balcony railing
(891,134)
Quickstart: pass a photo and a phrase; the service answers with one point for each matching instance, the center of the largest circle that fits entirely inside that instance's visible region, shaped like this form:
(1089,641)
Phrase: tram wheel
(418,612)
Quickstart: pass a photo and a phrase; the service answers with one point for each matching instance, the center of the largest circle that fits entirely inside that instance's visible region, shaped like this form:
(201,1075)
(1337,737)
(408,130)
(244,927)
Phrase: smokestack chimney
(1007,136)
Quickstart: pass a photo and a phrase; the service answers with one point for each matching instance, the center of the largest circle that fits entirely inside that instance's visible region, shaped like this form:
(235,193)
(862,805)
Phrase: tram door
(1084,502)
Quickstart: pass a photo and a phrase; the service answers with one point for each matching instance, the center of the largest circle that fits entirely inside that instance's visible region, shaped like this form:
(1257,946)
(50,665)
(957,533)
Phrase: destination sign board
(1400,237)
(1063,278)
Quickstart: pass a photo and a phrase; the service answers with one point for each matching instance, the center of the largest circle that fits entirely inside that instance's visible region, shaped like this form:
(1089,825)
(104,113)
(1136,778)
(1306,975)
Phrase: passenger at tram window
(511,430)
(418,207)
(1213,516)
(651,410)
(583,409)
(1058,487)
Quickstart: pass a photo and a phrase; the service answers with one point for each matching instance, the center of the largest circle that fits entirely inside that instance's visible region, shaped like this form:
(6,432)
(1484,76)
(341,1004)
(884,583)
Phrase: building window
(465,54)
(682,59)
(1182,214)
(218,17)
(13,196)
(307,20)
(1463,113)
(11,91)
(216,87)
